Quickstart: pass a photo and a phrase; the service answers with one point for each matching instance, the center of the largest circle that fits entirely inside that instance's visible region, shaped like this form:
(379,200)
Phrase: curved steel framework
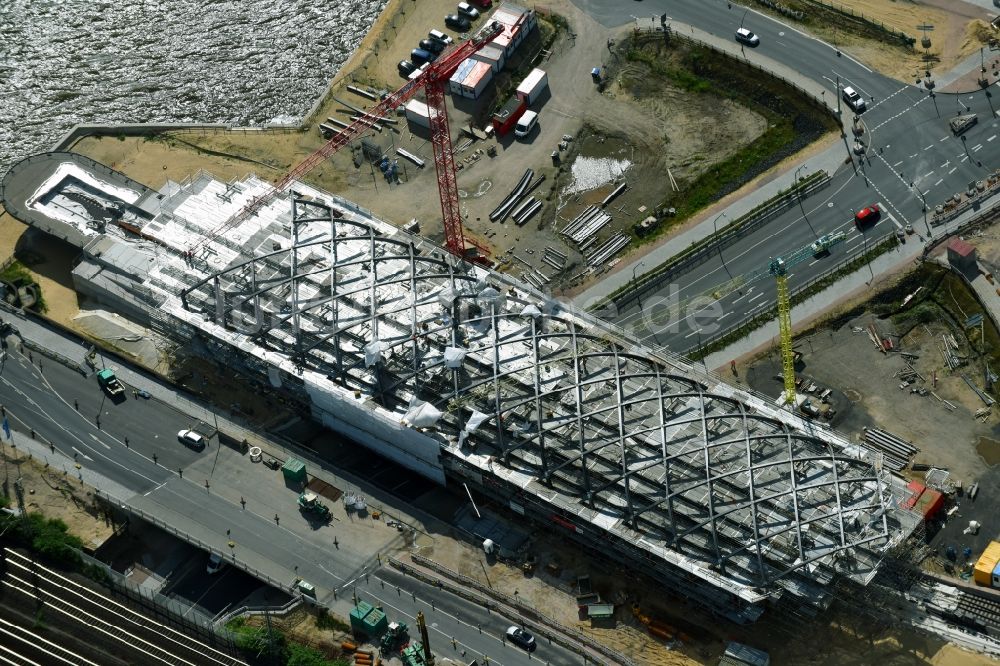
(601,432)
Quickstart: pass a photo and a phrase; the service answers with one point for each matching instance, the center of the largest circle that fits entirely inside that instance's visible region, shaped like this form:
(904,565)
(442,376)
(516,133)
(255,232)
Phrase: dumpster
(294,471)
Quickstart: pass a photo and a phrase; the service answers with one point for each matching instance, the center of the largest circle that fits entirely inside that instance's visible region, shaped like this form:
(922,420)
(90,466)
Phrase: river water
(250,62)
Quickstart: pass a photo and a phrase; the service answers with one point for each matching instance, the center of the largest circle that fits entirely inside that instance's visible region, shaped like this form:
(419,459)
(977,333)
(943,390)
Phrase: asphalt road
(449,616)
(62,407)
(912,157)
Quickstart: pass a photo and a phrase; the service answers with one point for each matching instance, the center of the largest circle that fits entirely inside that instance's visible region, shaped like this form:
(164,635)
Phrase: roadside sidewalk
(62,347)
(831,158)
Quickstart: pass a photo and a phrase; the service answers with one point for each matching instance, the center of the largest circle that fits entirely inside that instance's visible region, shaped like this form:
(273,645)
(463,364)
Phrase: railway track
(97,615)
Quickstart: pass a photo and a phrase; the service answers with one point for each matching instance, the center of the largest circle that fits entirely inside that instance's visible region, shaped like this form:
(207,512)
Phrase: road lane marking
(755,297)
(944,138)
(928,174)
(977,148)
(70,433)
(964,158)
(96,439)
(821,205)
(897,164)
(813,263)
(81,453)
(695,332)
(953,170)
(940,180)
(991,138)
(945,165)
(929,147)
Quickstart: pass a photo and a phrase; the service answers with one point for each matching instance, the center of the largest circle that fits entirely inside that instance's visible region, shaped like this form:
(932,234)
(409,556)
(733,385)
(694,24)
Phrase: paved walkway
(830,159)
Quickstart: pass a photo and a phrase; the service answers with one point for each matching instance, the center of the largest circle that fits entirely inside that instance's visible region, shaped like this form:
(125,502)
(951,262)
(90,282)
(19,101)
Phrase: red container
(505,118)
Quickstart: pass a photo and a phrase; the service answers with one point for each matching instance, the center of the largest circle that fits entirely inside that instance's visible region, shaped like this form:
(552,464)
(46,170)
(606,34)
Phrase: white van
(526,123)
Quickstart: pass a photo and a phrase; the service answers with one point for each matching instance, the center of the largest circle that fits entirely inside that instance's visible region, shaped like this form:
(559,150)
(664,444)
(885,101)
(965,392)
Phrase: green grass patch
(794,120)
(17,274)
(48,538)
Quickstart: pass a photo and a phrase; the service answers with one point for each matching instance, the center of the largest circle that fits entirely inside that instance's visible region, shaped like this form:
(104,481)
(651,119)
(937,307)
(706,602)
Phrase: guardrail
(184,536)
(559,631)
(703,249)
(991,187)
(755,321)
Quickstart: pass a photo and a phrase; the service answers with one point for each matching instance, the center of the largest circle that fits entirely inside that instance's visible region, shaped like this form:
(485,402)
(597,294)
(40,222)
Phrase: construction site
(452,361)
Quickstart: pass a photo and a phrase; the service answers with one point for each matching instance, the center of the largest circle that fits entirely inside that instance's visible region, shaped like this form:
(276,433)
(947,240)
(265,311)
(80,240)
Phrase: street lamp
(924,202)
(715,232)
(795,180)
(638,298)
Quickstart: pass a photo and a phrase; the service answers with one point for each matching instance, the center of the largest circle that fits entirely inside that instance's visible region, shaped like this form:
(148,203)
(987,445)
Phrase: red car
(866,216)
(482,4)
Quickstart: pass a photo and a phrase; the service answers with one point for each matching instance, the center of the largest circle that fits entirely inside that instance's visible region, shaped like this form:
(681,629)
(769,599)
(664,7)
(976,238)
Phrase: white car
(854,100)
(468,11)
(746,37)
(191,438)
(214,563)
(440,36)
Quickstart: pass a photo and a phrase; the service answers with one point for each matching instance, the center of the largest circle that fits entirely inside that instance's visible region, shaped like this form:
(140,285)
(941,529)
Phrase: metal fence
(184,536)
(703,250)
(170,612)
(753,322)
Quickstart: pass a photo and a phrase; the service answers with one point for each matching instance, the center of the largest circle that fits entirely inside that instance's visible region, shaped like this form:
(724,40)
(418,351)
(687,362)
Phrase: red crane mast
(433,81)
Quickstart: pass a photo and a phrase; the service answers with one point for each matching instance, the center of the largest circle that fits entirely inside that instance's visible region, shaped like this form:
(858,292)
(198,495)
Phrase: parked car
(744,36)
(866,216)
(405,67)
(456,22)
(432,45)
(486,4)
(854,100)
(191,438)
(468,11)
(215,563)
(420,56)
(521,638)
(440,36)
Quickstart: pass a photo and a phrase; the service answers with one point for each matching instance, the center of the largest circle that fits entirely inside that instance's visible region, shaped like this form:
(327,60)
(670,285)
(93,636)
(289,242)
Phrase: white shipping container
(461,74)
(418,113)
(491,55)
(532,86)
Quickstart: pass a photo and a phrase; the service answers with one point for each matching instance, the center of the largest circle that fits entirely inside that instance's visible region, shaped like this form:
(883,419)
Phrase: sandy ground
(55,492)
(848,362)
(956,35)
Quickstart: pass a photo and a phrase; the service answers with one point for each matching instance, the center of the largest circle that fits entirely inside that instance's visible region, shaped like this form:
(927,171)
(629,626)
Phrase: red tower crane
(433,81)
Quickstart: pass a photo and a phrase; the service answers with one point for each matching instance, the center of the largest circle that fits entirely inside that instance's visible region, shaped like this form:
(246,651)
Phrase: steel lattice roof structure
(635,450)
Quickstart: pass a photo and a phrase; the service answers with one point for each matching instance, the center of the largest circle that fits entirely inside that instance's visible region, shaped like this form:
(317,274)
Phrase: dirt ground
(847,361)
(55,492)
(837,638)
(958,28)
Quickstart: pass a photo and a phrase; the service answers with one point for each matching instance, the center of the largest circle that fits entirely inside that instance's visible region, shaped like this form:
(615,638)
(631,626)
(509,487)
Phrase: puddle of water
(989,449)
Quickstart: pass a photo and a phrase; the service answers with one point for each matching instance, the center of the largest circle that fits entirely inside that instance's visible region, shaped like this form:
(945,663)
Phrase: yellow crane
(778,268)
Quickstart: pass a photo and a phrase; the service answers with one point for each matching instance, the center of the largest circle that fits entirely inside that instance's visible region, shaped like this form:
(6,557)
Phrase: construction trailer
(533,85)
(508,115)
